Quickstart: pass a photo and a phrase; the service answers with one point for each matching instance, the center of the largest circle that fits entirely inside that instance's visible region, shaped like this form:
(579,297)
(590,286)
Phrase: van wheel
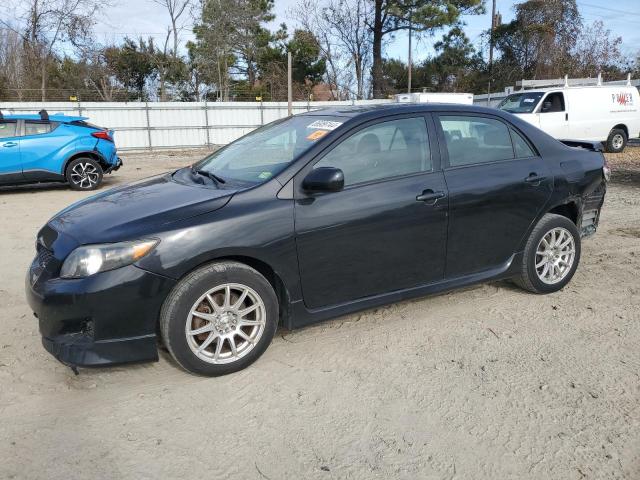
(617,141)
(84,174)
(551,255)
(219,319)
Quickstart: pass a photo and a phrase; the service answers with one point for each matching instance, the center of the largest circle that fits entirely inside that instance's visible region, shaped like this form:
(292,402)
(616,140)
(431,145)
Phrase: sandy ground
(489,382)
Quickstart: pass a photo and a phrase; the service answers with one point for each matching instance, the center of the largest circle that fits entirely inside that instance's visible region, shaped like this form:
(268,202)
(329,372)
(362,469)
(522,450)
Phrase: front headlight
(90,259)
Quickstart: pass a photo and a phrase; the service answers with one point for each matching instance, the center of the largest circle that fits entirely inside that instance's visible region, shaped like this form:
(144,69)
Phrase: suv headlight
(90,259)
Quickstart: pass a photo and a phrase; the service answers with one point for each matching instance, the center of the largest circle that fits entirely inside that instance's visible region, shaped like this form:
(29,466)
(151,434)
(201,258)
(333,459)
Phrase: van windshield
(525,102)
(265,152)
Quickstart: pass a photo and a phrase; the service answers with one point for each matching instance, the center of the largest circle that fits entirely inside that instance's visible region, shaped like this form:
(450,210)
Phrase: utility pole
(410,57)
(289,85)
(493,27)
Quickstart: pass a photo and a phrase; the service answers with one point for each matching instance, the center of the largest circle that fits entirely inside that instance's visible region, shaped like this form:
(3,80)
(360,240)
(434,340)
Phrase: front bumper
(108,318)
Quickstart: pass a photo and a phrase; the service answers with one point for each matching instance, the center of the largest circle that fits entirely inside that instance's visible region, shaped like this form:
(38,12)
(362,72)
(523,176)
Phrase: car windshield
(521,102)
(263,153)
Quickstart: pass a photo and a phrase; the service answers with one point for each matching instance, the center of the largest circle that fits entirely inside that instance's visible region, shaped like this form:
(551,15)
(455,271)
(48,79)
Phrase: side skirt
(302,316)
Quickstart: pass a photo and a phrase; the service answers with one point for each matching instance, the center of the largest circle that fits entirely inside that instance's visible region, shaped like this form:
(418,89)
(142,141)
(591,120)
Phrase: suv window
(473,140)
(8,128)
(521,146)
(384,150)
(34,127)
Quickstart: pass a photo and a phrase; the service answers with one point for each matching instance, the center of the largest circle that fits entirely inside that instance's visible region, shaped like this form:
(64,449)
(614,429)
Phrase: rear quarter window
(37,127)
(521,146)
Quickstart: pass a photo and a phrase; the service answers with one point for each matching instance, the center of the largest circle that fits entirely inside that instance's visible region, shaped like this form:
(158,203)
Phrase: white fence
(142,125)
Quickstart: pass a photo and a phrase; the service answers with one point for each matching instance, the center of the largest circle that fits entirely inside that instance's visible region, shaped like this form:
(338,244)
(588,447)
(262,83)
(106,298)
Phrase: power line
(612,10)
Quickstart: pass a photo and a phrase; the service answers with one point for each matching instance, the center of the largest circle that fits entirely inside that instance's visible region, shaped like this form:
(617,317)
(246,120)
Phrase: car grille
(44,255)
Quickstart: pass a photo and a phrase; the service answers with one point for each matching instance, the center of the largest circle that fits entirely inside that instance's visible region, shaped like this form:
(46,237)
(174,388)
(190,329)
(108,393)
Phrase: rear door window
(32,127)
(473,139)
(8,128)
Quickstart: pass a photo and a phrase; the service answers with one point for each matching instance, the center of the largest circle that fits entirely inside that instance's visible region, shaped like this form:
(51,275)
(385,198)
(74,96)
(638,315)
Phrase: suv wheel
(617,141)
(84,174)
(219,319)
(551,255)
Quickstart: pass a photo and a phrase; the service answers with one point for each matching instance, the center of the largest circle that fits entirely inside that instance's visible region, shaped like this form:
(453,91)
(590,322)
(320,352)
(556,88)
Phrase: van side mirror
(324,179)
(546,106)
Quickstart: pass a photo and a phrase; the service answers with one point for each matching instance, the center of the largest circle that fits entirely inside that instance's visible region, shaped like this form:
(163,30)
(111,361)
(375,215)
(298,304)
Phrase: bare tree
(99,77)
(348,18)
(176,9)
(345,39)
(12,61)
(308,14)
(48,24)
(595,50)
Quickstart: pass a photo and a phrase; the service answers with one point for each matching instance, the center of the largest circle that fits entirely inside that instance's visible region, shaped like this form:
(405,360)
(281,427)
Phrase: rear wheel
(219,319)
(84,174)
(551,255)
(616,141)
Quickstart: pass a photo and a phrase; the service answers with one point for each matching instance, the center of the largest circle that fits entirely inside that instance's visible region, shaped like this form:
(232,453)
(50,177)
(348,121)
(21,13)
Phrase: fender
(77,153)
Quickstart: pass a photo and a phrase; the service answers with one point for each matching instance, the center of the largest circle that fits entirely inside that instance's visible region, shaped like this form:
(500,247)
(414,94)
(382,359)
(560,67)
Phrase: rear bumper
(114,166)
(108,318)
(591,208)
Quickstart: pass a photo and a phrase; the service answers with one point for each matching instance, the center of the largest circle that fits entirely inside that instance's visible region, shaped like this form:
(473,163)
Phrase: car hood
(137,209)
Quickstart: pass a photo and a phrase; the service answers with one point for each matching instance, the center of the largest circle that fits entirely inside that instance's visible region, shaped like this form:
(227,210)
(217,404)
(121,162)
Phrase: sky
(145,18)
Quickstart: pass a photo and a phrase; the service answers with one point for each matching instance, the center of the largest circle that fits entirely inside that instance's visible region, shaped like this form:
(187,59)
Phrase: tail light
(606,170)
(102,135)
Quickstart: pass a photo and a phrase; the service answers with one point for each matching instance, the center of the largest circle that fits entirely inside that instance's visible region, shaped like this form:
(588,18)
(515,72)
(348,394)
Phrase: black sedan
(307,218)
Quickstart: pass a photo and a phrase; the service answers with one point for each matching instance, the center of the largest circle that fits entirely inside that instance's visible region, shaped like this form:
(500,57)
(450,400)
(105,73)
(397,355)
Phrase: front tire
(551,255)
(219,319)
(616,141)
(84,174)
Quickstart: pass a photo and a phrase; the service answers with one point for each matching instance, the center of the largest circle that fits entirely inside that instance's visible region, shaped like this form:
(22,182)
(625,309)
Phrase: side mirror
(324,179)
(546,106)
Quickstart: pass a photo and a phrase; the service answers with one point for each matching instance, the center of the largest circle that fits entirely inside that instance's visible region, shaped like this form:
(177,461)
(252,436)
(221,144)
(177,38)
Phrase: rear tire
(616,141)
(84,174)
(551,255)
(203,321)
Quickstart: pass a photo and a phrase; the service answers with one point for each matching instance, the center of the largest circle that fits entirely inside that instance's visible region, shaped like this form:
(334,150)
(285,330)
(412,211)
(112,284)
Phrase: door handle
(10,144)
(534,178)
(429,195)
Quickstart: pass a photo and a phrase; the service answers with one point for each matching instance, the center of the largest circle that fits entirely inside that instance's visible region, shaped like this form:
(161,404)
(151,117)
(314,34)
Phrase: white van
(435,97)
(608,114)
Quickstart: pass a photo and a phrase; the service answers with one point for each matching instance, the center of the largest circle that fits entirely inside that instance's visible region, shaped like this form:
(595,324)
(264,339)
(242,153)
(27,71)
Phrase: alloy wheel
(225,323)
(555,255)
(85,175)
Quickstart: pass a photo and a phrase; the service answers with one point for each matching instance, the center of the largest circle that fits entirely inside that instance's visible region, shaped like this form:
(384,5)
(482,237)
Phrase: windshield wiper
(210,175)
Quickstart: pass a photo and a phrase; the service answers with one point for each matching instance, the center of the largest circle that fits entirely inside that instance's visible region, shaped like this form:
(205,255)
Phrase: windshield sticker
(325,124)
(528,100)
(313,136)
(264,175)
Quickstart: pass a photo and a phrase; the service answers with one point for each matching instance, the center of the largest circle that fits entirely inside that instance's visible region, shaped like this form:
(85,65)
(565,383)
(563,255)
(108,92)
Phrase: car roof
(55,117)
(379,109)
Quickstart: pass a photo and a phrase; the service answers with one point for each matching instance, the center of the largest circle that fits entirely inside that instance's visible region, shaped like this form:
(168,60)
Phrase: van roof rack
(573,82)
(43,114)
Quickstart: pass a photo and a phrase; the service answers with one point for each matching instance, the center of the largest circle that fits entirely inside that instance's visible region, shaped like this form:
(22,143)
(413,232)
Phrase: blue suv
(55,148)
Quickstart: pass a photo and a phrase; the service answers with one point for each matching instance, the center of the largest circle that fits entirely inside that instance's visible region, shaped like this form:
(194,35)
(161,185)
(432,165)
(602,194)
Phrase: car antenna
(43,114)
